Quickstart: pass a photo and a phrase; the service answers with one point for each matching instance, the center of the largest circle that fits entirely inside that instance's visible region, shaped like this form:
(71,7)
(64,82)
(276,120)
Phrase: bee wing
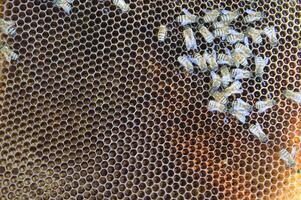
(294,152)
(225,12)
(214,54)
(206,11)
(250,12)
(246,41)
(186,12)
(70,1)
(228,52)
(194,60)
(222,62)
(233,32)
(266,60)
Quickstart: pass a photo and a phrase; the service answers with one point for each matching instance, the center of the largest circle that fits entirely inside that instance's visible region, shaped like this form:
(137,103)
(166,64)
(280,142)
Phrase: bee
(244,48)
(216,81)
(220,97)
(287,158)
(270,32)
(241,105)
(253,16)
(226,76)
(187,18)
(210,15)
(222,32)
(239,74)
(229,16)
(200,61)
(234,88)
(187,64)
(255,35)
(216,106)
(211,60)
(260,63)
(8,53)
(162,32)
(295,96)
(65,4)
(256,130)
(234,37)
(122,5)
(219,24)
(8,27)
(225,59)
(189,38)
(262,106)
(207,35)
(239,59)
(239,115)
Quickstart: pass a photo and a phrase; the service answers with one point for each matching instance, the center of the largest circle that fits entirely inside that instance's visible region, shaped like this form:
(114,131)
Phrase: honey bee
(187,18)
(239,115)
(222,32)
(226,76)
(216,81)
(65,4)
(239,59)
(270,32)
(234,37)
(187,64)
(211,60)
(207,35)
(8,53)
(241,105)
(216,106)
(256,130)
(219,24)
(229,16)
(260,63)
(287,158)
(234,88)
(262,106)
(225,59)
(122,5)
(255,35)
(244,48)
(162,32)
(189,38)
(8,27)
(210,15)
(240,110)
(239,74)
(219,97)
(200,61)
(253,16)
(295,96)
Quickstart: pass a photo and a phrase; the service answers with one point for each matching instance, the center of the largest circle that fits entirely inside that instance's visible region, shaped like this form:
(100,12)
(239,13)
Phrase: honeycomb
(96,108)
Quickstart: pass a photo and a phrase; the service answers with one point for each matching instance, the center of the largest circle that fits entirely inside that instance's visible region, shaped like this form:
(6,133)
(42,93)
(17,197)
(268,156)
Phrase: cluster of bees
(226,81)
(7,28)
